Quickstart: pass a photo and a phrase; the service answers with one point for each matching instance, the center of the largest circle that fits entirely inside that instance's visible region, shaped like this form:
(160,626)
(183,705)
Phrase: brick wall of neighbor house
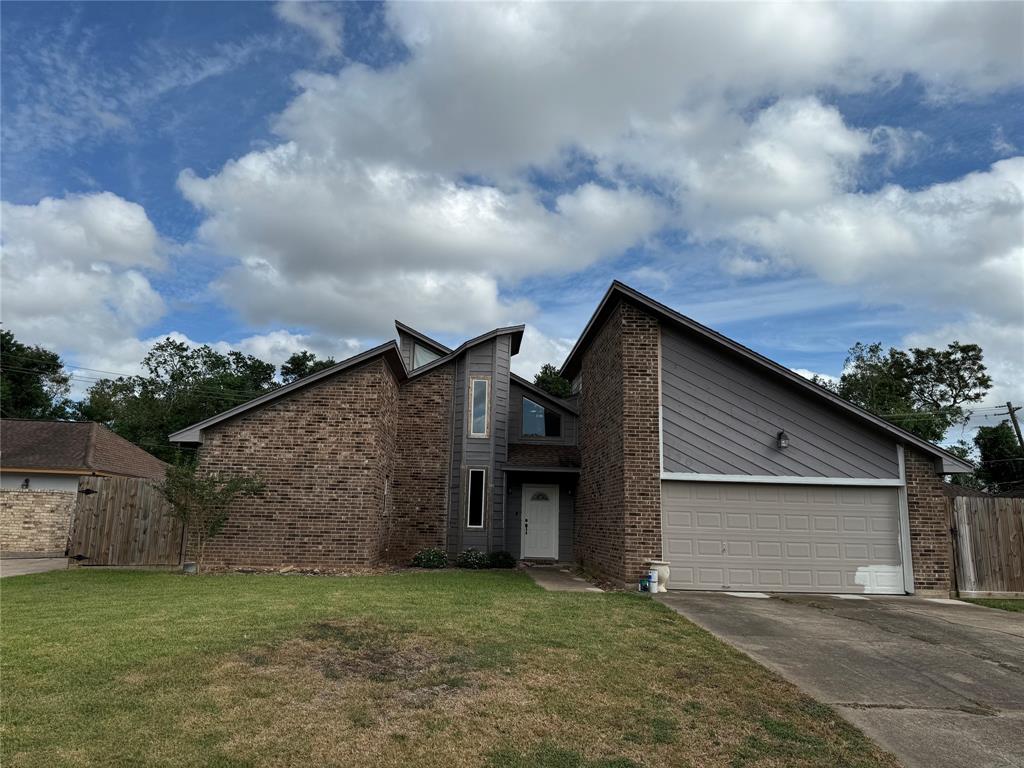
(35,521)
(419,489)
(929,529)
(323,454)
(618,509)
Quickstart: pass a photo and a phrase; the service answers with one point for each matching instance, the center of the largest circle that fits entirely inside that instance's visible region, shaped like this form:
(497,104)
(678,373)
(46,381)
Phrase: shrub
(501,560)
(472,558)
(430,558)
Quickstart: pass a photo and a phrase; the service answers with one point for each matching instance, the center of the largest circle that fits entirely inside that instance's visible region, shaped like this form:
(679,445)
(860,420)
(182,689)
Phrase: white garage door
(784,538)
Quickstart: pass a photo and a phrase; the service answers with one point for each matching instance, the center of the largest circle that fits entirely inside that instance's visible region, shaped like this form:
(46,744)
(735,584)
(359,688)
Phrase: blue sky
(278,176)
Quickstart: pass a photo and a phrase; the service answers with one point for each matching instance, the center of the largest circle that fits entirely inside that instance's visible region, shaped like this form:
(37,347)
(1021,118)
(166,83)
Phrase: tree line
(926,391)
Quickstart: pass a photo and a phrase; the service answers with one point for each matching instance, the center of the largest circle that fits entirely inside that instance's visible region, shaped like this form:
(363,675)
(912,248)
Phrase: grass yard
(443,669)
(1003,604)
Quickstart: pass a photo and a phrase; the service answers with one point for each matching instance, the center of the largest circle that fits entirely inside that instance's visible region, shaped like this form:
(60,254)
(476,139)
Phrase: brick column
(618,508)
(929,529)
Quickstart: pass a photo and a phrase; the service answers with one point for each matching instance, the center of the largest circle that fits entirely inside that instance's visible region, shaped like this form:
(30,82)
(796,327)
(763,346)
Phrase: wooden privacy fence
(124,521)
(988,544)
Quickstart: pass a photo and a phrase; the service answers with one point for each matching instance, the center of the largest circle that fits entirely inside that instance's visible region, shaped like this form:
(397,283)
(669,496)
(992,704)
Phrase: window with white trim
(539,421)
(479,391)
(475,498)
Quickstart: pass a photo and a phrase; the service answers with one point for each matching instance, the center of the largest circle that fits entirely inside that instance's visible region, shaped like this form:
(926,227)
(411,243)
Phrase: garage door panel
(799,538)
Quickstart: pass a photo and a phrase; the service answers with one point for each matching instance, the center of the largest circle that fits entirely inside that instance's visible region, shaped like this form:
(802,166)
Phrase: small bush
(472,558)
(430,558)
(501,560)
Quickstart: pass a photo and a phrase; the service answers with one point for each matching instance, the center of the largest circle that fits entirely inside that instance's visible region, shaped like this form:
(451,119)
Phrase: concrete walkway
(21,566)
(555,578)
(940,684)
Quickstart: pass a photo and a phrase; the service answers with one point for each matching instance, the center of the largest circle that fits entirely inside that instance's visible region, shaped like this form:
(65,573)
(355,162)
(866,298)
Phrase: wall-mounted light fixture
(25,484)
(782,440)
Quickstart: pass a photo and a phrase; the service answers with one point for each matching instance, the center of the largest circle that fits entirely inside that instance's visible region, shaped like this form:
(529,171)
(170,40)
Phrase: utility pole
(1012,413)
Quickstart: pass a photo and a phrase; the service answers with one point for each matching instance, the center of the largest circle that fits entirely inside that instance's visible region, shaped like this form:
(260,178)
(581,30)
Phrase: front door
(540,521)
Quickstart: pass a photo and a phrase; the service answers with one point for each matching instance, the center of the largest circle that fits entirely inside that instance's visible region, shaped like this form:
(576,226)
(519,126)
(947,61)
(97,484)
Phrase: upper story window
(479,407)
(421,355)
(539,421)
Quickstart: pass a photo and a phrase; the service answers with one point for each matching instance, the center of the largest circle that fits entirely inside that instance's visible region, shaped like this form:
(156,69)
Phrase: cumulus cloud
(319,20)
(537,349)
(74,271)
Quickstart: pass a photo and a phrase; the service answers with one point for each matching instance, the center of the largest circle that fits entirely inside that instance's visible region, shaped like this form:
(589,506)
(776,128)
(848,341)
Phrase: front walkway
(938,683)
(21,566)
(559,578)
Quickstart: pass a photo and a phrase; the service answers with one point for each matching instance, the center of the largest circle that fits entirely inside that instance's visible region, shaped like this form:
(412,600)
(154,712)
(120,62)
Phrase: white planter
(661,566)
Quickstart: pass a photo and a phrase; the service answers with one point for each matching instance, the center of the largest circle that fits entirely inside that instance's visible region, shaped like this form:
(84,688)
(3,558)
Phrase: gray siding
(513,524)
(490,359)
(515,419)
(405,347)
(721,416)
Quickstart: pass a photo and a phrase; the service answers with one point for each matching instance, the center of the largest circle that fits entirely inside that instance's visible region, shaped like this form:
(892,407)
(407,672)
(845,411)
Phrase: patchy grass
(442,669)
(1003,604)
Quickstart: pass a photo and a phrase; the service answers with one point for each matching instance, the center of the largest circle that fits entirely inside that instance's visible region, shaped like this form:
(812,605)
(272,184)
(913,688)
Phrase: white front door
(539,527)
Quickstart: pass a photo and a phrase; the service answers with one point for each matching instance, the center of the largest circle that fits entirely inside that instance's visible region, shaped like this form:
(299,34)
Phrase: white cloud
(319,20)
(954,246)
(809,374)
(74,271)
(537,349)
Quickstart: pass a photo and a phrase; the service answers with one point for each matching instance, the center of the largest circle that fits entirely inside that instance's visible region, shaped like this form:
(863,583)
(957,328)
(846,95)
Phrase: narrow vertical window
(475,505)
(478,407)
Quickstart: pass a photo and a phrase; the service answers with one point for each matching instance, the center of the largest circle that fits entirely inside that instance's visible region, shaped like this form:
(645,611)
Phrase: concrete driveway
(938,684)
(20,566)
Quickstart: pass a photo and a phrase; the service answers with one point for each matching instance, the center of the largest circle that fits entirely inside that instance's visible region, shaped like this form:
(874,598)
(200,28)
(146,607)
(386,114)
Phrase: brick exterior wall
(323,453)
(641,364)
(930,546)
(537,455)
(618,509)
(35,521)
(422,455)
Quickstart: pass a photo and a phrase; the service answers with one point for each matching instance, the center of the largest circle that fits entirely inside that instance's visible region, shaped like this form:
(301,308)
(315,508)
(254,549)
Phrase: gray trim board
(697,477)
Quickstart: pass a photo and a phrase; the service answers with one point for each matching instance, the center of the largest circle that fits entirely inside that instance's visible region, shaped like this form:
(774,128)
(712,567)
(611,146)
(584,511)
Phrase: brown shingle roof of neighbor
(73,446)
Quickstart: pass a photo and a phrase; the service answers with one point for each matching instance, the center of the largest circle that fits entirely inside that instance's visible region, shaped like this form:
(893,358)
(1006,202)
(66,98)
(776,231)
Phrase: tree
(551,382)
(202,501)
(33,382)
(920,390)
(1001,466)
(302,364)
(182,385)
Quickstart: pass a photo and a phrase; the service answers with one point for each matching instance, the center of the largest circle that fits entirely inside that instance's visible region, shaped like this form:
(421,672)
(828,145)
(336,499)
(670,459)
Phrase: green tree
(550,381)
(203,501)
(33,382)
(182,385)
(302,364)
(1001,463)
(922,390)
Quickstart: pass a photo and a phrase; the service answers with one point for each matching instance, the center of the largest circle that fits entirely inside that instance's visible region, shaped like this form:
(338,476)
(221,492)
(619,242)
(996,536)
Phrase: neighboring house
(677,443)
(40,463)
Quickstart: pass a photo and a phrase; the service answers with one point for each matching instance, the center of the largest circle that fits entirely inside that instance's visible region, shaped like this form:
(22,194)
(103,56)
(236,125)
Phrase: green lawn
(439,669)
(1002,604)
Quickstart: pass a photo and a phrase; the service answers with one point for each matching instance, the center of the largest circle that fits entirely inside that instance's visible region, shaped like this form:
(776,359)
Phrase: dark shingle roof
(83,446)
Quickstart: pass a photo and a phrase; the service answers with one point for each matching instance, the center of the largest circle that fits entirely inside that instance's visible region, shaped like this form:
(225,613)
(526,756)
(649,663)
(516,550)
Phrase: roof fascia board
(434,346)
(555,401)
(389,350)
(515,331)
(620,290)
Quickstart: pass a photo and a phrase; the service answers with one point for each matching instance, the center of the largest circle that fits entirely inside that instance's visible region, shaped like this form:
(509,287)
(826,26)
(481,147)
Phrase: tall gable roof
(73,446)
(621,292)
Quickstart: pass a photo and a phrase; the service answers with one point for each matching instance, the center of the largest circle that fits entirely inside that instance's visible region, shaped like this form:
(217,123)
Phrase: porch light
(782,439)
